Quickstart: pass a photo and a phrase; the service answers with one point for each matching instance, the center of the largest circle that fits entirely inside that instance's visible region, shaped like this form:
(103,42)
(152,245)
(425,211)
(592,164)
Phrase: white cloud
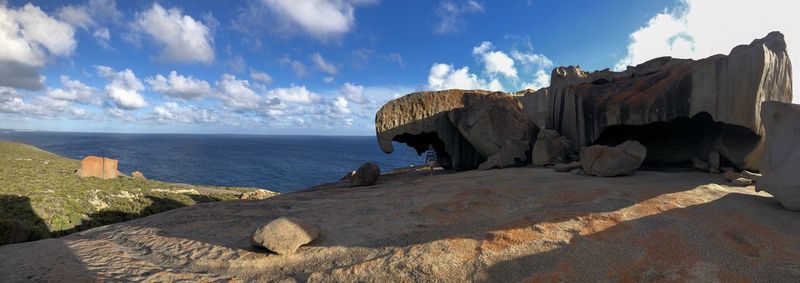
(40,107)
(74,90)
(298,67)
(521,69)
(495,62)
(322,19)
(189,114)
(323,64)
(178,86)
(700,29)
(445,76)
(354,93)
(181,37)
(261,77)
(237,93)
(328,79)
(451,15)
(294,94)
(77,16)
(29,37)
(123,88)
(537,64)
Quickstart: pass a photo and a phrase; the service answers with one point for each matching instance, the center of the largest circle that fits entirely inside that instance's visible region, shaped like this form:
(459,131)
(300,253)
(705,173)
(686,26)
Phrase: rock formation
(284,235)
(726,90)
(606,161)
(366,175)
(98,167)
(682,110)
(780,164)
(465,127)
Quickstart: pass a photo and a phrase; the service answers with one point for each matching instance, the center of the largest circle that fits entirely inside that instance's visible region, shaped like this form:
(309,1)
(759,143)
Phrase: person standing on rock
(430,158)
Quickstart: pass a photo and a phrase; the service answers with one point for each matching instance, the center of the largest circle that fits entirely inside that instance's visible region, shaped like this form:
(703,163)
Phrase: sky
(324,67)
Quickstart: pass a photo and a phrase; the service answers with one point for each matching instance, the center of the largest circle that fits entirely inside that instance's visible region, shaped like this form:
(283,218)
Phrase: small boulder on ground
(366,175)
(606,161)
(138,175)
(567,167)
(347,176)
(511,154)
(742,182)
(731,175)
(550,148)
(700,164)
(284,235)
(98,167)
(257,194)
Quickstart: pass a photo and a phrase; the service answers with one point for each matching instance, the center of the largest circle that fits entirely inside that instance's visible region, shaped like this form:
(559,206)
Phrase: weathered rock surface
(582,106)
(550,148)
(510,225)
(513,153)
(284,235)
(366,175)
(98,167)
(534,102)
(465,127)
(781,158)
(137,175)
(606,161)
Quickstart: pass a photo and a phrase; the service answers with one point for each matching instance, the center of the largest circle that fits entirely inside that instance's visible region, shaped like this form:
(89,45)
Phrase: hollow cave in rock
(420,143)
(672,144)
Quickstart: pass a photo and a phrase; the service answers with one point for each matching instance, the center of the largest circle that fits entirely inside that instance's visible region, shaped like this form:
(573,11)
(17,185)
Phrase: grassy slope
(41,197)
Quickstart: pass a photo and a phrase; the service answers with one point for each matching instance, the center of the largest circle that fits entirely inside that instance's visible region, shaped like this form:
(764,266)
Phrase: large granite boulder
(780,164)
(98,167)
(729,88)
(606,161)
(465,127)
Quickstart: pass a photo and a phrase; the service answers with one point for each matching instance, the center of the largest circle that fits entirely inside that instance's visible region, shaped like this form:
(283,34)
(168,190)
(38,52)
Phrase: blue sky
(324,66)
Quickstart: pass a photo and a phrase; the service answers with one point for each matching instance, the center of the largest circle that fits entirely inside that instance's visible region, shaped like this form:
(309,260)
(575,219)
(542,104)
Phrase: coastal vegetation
(41,197)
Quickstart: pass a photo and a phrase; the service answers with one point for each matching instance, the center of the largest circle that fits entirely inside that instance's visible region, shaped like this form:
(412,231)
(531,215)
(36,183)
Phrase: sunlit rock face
(781,159)
(465,127)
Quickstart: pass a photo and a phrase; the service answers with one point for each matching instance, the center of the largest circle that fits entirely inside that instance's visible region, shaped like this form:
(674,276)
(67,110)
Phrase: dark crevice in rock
(673,143)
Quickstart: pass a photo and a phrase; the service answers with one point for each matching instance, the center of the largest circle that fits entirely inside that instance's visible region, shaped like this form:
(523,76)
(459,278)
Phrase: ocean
(277,163)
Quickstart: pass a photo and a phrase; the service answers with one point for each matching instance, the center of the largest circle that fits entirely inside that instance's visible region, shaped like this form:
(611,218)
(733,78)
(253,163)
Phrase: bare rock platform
(518,224)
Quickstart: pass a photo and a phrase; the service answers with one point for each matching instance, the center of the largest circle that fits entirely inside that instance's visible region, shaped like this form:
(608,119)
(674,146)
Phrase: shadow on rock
(696,243)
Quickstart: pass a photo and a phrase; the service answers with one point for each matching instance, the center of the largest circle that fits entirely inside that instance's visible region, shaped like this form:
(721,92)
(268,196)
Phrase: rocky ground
(516,224)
